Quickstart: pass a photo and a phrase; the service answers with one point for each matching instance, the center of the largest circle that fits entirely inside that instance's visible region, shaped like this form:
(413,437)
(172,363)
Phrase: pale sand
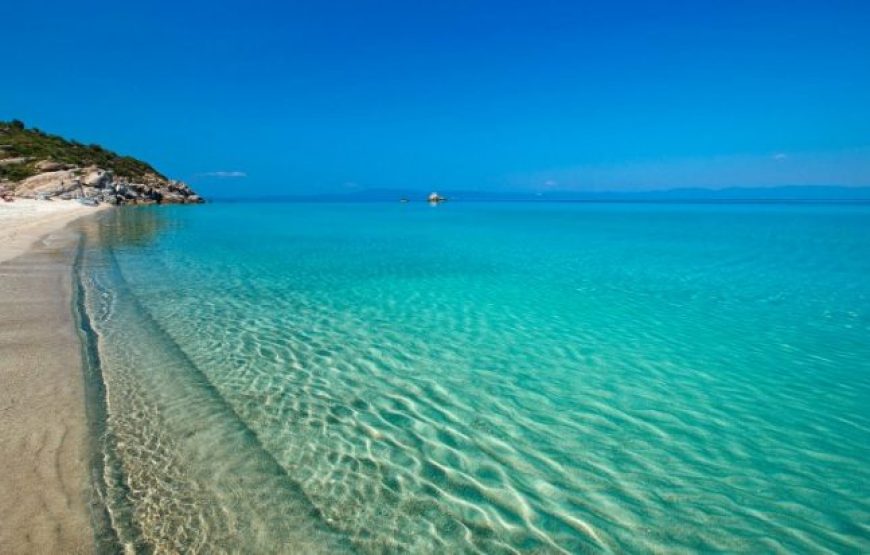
(25,221)
(44,485)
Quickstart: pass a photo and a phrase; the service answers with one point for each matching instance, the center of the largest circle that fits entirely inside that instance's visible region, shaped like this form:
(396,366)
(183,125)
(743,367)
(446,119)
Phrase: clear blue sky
(323,96)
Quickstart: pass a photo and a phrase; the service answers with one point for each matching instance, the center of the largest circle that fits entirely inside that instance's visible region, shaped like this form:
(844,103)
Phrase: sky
(261,98)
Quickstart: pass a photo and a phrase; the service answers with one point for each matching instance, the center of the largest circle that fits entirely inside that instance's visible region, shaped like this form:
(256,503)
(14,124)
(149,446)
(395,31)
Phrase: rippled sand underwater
(490,378)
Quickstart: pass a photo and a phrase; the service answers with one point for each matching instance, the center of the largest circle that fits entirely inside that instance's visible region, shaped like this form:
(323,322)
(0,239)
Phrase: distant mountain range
(796,193)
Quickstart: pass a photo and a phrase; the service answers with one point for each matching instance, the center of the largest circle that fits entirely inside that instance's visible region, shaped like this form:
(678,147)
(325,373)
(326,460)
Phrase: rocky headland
(37,165)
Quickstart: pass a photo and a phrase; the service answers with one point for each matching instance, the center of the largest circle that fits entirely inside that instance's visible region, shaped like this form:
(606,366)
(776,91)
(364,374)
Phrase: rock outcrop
(102,186)
(35,164)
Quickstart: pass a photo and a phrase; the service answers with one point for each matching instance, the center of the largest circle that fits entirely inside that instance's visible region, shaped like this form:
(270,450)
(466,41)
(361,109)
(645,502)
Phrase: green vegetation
(33,145)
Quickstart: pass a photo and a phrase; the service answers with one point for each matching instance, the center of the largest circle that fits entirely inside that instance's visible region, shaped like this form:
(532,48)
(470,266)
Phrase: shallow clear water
(485,377)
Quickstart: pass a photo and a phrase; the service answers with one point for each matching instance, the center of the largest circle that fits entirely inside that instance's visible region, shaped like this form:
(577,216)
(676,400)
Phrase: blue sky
(298,97)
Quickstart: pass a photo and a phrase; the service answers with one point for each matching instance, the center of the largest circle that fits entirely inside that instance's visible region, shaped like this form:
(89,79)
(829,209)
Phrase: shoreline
(25,222)
(44,428)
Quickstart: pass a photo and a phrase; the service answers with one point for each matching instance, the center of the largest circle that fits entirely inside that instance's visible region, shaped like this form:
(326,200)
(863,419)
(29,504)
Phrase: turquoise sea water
(490,378)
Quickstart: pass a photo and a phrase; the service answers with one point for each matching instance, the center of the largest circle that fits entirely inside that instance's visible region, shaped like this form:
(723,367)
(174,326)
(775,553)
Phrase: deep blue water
(502,377)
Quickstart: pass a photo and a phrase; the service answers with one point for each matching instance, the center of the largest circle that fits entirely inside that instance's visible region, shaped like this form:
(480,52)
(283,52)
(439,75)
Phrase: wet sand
(44,486)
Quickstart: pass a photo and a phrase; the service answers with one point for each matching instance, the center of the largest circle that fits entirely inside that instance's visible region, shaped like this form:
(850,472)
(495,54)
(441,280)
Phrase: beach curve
(44,431)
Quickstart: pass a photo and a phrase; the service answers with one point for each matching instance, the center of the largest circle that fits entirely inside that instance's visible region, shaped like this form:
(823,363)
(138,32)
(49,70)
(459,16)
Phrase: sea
(479,377)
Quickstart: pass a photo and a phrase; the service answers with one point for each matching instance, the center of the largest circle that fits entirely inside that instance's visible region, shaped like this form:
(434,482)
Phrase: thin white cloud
(224,174)
(780,156)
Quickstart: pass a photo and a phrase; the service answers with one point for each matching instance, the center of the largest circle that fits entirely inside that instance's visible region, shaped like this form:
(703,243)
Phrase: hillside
(36,164)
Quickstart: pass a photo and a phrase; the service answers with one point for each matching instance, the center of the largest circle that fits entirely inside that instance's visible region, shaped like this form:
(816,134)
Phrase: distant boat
(435,198)
(403,200)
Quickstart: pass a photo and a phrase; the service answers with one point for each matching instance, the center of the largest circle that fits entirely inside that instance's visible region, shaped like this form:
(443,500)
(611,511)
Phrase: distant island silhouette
(792,193)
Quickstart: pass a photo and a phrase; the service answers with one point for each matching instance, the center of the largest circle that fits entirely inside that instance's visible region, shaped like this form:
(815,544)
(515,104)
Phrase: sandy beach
(24,222)
(43,428)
